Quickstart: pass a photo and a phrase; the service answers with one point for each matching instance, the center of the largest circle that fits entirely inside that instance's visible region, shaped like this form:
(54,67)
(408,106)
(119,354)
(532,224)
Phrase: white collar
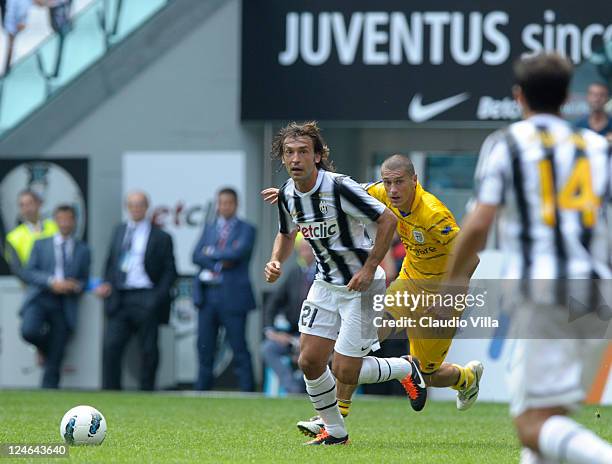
(312,190)
(136,225)
(58,239)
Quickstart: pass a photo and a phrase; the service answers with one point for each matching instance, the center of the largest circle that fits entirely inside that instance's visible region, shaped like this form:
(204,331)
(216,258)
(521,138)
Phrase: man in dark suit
(56,275)
(286,303)
(222,290)
(139,275)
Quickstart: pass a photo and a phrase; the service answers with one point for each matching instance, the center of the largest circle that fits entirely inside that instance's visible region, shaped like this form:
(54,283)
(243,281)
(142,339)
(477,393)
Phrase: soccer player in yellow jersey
(427,229)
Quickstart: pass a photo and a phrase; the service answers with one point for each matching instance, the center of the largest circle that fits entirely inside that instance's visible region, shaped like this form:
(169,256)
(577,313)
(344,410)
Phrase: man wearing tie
(139,274)
(222,290)
(56,275)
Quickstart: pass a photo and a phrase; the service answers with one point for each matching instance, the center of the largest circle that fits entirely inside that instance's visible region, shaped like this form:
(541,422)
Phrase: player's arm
(387,222)
(356,202)
(282,249)
(283,243)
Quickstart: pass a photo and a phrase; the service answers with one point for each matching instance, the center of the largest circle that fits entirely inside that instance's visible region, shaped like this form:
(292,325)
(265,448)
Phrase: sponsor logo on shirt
(318,230)
(422,251)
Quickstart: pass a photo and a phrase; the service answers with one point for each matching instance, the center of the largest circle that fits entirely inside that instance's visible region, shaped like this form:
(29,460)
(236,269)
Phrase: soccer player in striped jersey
(546,182)
(331,211)
(427,229)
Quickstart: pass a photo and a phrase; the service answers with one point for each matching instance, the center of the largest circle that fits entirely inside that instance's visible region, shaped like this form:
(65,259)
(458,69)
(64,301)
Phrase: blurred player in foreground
(331,212)
(546,182)
(427,229)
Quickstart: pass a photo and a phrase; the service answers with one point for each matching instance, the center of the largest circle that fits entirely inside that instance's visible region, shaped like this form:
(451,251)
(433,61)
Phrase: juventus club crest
(323,207)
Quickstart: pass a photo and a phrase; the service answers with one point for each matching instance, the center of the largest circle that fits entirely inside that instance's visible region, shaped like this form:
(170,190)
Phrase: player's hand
(104,290)
(272,271)
(270,195)
(362,280)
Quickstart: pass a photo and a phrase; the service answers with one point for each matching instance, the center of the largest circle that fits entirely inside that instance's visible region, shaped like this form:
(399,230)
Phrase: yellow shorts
(429,346)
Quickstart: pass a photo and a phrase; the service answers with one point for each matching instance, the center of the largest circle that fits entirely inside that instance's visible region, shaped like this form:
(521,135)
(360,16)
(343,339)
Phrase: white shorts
(556,371)
(334,312)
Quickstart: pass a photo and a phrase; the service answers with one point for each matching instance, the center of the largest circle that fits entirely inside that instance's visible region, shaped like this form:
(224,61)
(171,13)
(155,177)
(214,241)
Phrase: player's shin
(322,393)
(345,395)
(377,370)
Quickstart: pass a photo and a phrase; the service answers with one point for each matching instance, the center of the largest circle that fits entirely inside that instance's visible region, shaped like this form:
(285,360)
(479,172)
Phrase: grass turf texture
(175,428)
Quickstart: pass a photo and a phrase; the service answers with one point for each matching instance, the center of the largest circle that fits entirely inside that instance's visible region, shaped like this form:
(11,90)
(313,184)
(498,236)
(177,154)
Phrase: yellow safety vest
(22,239)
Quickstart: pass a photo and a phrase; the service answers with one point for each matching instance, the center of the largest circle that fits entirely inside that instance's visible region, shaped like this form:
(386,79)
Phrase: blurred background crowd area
(176,99)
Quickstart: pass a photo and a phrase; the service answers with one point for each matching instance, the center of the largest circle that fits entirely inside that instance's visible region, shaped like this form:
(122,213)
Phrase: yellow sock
(344,406)
(466,378)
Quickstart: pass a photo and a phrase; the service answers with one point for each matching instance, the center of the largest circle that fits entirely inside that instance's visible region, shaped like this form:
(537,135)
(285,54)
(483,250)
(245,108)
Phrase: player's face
(226,205)
(400,187)
(29,208)
(597,97)
(65,222)
(300,159)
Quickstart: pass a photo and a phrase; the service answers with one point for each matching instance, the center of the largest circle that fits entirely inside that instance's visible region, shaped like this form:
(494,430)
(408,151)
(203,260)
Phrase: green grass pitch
(162,428)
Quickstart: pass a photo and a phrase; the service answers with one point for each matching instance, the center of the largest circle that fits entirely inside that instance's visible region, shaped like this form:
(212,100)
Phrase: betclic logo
(318,230)
(179,215)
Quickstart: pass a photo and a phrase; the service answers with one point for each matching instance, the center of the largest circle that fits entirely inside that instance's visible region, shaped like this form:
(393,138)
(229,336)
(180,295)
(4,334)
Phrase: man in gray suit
(56,275)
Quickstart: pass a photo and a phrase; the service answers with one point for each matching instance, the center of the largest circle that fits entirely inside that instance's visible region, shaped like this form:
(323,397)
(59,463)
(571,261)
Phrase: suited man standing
(222,290)
(56,275)
(139,275)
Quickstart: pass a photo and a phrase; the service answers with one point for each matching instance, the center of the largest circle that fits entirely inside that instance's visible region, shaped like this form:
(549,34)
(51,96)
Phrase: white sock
(322,393)
(564,440)
(531,457)
(377,370)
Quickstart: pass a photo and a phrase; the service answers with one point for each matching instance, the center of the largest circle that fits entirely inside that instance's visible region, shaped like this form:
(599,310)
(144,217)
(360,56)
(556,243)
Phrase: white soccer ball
(83,425)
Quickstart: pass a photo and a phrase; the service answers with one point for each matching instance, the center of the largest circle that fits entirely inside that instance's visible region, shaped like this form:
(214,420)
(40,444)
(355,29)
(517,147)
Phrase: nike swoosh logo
(419,112)
(421,380)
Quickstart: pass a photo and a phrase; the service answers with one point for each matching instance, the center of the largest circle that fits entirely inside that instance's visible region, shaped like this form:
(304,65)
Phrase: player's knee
(528,426)
(310,366)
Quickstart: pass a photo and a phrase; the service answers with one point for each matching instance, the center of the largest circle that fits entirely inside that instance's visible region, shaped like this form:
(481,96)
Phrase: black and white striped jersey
(333,218)
(553,181)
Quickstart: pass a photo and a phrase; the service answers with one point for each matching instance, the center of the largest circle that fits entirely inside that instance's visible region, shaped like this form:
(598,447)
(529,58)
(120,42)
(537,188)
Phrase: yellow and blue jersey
(427,232)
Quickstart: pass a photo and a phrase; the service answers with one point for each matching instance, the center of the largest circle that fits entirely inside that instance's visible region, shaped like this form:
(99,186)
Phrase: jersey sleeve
(356,202)
(377,190)
(285,223)
(444,228)
(492,171)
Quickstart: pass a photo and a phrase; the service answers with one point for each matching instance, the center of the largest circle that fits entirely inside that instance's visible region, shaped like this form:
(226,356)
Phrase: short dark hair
(35,196)
(228,191)
(305,129)
(65,208)
(399,161)
(544,80)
